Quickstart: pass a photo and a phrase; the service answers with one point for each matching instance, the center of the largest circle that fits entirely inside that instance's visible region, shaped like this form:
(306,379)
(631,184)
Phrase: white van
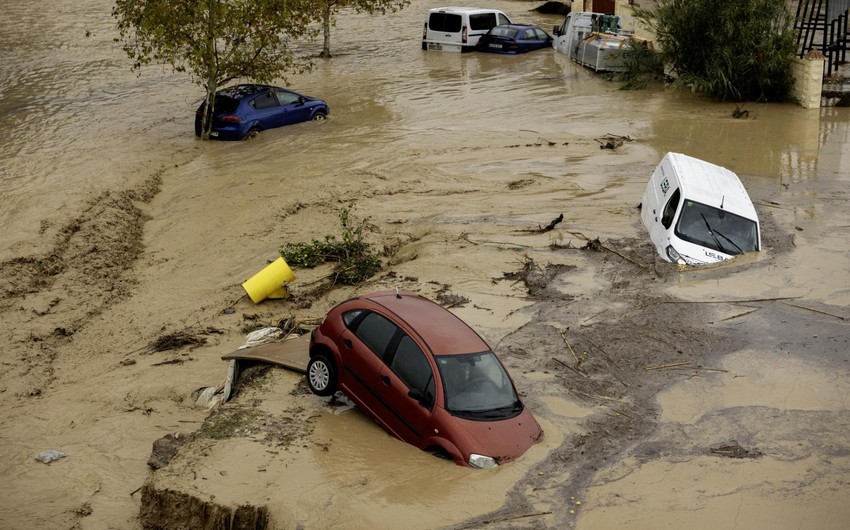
(697,212)
(457,29)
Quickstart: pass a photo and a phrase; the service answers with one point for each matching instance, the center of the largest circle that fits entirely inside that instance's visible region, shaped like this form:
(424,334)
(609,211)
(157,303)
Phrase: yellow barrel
(269,282)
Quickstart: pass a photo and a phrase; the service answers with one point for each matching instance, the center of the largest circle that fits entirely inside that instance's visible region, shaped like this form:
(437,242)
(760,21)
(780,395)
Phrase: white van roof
(711,184)
(456,9)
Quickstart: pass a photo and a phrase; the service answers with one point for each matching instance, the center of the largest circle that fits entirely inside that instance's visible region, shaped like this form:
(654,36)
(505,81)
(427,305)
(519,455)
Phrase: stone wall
(808,80)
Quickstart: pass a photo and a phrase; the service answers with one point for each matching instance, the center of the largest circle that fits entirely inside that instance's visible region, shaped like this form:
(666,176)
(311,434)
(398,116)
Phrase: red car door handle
(386,380)
(346,342)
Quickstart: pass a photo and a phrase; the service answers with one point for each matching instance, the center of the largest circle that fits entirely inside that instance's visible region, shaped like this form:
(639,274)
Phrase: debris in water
(552,224)
(50,456)
(612,141)
(178,339)
(734,450)
(740,113)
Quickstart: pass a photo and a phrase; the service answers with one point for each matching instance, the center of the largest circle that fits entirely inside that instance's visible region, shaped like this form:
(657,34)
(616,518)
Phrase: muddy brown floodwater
(709,398)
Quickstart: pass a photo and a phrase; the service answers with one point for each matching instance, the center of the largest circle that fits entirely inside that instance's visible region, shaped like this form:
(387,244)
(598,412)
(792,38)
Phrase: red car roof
(442,331)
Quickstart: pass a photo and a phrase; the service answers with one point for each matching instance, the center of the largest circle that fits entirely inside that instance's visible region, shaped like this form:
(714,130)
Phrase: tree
(329,8)
(740,50)
(216,41)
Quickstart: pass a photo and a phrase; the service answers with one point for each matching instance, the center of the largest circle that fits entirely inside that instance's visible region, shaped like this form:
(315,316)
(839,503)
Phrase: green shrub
(355,259)
(643,65)
(740,50)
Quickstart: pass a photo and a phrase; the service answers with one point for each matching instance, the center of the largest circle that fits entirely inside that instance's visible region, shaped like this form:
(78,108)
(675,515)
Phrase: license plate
(496,46)
(434,46)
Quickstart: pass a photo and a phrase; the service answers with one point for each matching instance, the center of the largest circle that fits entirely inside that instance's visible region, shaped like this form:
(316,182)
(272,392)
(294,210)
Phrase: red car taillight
(230,119)
(463,35)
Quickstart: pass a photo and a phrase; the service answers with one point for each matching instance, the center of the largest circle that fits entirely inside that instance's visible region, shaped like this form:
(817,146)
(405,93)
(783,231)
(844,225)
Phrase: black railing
(823,25)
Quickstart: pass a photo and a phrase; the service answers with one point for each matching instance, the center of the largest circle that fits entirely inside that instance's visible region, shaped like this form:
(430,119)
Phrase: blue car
(514,38)
(242,111)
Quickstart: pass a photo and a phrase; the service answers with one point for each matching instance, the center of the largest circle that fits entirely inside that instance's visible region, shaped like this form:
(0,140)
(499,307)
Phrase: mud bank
(601,369)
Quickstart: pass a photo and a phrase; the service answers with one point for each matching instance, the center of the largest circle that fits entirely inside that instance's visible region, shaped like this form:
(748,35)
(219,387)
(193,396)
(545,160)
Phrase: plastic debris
(261,336)
(50,456)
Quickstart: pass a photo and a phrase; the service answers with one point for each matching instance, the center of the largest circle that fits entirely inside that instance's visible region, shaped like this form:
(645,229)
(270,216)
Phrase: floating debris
(612,141)
(734,450)
(49,456)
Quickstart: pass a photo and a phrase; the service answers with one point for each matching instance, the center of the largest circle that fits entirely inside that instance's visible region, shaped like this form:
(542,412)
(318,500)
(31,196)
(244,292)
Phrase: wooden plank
(293,353)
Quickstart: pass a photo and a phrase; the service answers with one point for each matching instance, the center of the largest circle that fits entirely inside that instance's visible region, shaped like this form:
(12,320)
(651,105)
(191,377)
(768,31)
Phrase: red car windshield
(477,387)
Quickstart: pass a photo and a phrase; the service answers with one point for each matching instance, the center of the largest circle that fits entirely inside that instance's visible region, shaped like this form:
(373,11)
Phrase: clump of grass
(176,340)
(355,259)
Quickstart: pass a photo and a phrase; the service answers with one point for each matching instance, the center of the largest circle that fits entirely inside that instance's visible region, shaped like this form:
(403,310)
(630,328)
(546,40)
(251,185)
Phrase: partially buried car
(513,39)
(424,375)
(242,111)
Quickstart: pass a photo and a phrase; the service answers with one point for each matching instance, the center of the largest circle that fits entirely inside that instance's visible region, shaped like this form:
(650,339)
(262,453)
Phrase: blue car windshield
(717,229)
(476,386)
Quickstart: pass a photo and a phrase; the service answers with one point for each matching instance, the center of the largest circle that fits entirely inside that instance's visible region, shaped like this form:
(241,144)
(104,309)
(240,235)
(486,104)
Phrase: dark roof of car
(241,91)
(515,26)
(442,330)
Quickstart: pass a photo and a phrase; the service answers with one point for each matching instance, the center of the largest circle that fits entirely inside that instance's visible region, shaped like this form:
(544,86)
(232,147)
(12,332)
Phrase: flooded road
(120,226)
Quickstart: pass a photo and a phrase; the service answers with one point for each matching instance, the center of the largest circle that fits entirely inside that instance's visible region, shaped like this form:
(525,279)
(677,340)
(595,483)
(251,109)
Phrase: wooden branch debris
(506,518)
(706,368)
(684,365)
(623,414)
(552,224)
(565,365)
(739,315)
(749,300)
(663,366)
(641,265)
(817,311)
(564,337)
(662,341)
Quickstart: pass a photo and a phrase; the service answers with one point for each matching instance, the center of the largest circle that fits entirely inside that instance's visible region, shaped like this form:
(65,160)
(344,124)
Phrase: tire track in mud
(47,299)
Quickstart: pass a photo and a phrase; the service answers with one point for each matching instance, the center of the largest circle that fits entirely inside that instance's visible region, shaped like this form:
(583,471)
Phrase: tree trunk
(326,28)
(211,84)
(209,108)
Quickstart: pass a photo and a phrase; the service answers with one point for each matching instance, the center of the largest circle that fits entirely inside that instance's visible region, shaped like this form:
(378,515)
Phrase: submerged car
(242,111)
(424,375)
(697,212)
(514,38)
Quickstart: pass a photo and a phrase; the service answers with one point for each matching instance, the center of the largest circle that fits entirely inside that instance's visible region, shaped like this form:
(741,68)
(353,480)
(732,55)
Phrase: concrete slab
(292,353)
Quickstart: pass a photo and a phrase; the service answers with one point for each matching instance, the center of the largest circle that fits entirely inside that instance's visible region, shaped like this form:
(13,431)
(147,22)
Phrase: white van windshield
(717,229)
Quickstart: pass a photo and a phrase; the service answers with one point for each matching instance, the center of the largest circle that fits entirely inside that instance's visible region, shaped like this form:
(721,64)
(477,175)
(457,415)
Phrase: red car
(423,375)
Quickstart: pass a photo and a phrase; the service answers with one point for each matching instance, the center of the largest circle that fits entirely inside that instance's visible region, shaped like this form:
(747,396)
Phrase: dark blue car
(243,111)
(514,38)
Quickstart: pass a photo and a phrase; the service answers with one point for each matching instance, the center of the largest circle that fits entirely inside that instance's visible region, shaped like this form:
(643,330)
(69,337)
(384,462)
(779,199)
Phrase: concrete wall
(808,80)
(623,8)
